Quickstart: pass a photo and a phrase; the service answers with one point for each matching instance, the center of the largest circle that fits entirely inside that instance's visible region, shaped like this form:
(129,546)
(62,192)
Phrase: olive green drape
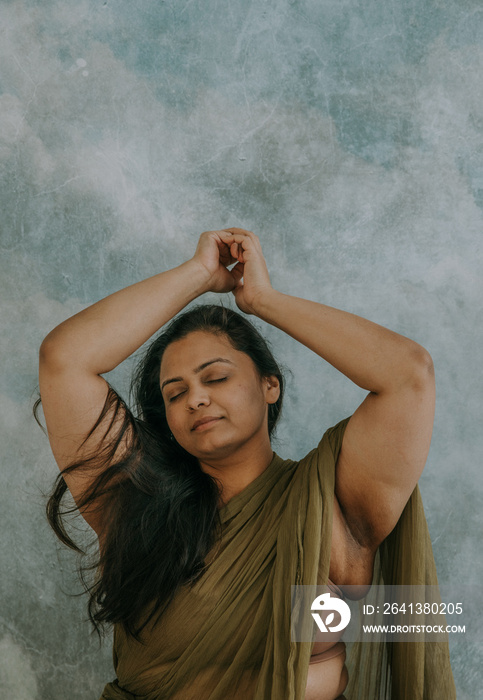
(228,636)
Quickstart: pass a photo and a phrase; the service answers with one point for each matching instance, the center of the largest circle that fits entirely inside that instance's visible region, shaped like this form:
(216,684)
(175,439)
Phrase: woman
(201,527)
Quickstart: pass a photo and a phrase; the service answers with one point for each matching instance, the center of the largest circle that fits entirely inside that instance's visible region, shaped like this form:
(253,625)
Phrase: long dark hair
(159,509)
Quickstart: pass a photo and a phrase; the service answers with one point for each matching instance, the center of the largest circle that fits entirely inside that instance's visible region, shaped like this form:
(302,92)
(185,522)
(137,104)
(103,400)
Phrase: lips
(204,421)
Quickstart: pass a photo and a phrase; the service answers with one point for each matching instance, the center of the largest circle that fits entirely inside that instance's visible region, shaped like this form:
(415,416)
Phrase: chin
(214,448)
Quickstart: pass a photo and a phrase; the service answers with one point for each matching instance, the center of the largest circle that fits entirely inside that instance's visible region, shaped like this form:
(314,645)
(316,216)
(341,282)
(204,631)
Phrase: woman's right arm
(77,352)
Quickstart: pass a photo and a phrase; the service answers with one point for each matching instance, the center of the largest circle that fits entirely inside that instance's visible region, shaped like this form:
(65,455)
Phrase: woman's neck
(236,472)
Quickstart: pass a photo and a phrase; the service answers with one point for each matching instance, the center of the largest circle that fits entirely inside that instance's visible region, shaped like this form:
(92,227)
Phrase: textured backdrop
(347,134)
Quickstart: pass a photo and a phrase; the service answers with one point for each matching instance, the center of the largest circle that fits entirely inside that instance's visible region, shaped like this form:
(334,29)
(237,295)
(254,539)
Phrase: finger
(236,250)
(224,248)
(237,272)
(236,230)
(241,236)
(247,241)
(226,258)
(236,234)
(241,241)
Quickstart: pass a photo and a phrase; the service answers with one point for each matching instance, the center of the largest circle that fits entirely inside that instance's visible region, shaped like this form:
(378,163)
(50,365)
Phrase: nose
(198,396)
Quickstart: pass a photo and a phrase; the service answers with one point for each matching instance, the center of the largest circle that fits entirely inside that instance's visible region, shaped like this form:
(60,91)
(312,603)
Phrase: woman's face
(215,400)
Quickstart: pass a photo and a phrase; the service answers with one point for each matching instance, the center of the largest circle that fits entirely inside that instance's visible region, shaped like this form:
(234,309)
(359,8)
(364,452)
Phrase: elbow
(51,352)
(46,350)
(421,372)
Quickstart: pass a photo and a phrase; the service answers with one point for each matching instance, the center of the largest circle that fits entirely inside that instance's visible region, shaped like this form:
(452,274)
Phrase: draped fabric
(227,637)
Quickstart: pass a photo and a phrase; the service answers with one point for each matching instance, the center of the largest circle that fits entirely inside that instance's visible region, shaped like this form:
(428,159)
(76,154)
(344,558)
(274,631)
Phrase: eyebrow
(197,370)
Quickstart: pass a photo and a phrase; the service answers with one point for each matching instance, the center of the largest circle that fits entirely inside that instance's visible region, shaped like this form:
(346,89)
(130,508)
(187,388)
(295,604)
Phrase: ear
(272,389)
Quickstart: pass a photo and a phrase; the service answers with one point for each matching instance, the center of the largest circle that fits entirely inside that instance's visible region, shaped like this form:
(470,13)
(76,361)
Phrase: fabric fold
(227,637)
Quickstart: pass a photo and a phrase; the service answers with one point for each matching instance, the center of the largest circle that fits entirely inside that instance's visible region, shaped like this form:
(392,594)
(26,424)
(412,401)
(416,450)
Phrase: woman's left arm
(386,441)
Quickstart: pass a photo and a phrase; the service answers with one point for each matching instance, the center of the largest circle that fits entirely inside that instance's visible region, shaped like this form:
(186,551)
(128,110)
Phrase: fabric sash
(228,636)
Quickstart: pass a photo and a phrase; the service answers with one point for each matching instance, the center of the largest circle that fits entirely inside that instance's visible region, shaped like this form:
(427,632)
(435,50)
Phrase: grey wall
(347,134)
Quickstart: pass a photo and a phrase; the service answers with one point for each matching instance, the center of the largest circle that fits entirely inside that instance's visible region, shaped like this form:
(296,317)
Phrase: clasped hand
(248,279)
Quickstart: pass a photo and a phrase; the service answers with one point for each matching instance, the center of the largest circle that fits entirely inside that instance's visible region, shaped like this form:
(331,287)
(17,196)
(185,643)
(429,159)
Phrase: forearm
(373,357)
(100,337)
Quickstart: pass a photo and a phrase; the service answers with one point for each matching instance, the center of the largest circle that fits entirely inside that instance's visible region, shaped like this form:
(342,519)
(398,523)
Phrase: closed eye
(173,398)
(210,381)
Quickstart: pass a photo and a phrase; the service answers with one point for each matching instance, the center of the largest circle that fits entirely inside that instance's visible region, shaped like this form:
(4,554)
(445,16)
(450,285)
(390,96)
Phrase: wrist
(197,276)
(267,304)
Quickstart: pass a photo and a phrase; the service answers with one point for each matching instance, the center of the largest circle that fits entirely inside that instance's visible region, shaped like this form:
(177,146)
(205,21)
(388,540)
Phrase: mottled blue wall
(347,134)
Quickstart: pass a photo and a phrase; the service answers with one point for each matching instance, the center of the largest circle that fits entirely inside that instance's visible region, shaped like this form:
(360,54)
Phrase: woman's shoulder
(329,445)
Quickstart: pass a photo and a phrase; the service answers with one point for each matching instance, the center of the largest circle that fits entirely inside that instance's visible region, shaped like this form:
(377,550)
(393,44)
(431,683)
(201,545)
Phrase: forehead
(188,353)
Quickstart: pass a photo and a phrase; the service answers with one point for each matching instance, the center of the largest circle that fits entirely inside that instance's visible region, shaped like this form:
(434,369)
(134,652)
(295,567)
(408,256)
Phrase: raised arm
(77,352)
(387,439)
